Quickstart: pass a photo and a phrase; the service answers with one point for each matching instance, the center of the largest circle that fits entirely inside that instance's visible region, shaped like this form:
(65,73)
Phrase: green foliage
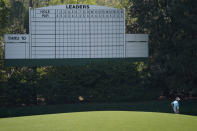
(18,16)
(19,88)
(95,83)
(172,65)
(106,82)
(171,26)
(4,14)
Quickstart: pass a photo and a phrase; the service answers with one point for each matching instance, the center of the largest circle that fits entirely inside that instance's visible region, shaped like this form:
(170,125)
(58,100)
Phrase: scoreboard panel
(77,31)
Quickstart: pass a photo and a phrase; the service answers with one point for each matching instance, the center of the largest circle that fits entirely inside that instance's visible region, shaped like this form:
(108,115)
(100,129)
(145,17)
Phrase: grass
(148,116)
(101,121)
(187,107)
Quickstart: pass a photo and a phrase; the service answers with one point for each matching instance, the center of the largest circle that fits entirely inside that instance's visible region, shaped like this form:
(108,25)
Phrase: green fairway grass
(101,121)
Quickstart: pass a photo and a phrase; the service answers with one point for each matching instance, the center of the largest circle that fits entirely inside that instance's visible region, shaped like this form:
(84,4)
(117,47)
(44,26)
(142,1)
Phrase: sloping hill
(101,121)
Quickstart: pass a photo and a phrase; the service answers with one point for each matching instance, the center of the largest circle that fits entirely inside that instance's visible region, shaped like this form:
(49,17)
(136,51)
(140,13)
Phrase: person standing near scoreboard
(175,105)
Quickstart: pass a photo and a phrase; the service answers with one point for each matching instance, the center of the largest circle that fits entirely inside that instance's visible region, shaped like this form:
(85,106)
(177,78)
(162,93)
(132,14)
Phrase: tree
(173,52)
(4,15)
(17,17)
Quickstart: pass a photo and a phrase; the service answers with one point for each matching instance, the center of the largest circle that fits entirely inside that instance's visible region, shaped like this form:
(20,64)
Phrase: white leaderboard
(75,31)
(70,32)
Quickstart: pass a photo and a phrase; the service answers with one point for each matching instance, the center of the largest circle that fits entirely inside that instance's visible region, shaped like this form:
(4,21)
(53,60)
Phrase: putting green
(101,121)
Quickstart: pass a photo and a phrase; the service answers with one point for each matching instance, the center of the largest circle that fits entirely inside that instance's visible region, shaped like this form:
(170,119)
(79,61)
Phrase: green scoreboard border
(66,61)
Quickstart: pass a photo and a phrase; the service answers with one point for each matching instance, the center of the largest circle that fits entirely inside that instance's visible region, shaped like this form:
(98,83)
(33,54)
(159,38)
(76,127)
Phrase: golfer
(175,105)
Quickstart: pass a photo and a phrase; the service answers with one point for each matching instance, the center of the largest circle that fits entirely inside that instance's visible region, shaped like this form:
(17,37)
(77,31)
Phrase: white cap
(178,99)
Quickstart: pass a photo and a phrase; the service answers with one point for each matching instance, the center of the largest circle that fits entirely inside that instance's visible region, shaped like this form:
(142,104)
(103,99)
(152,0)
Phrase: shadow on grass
(187,107)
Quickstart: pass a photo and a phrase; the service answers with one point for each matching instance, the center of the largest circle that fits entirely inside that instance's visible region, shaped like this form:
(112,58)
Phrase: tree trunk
(30,3)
